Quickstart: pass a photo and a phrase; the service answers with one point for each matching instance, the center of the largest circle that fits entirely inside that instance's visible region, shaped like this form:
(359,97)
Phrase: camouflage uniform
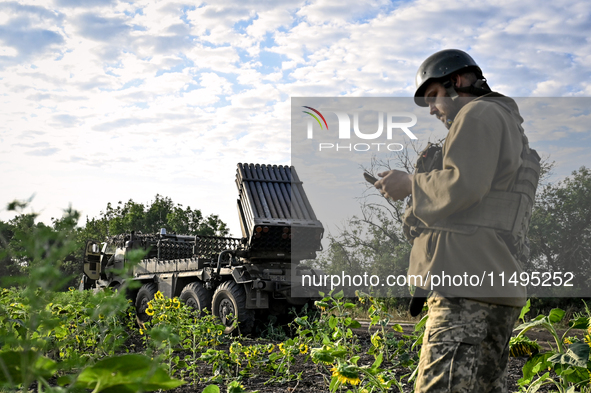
(466,346)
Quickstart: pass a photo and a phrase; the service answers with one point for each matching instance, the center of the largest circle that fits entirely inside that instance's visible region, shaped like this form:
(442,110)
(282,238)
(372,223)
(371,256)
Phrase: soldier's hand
(394,184)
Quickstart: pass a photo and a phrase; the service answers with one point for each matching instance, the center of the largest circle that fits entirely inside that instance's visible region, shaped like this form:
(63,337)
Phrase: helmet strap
(479,88)
(449,88)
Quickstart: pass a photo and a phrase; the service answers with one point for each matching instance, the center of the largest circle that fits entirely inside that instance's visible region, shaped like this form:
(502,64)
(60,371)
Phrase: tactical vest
(508,212)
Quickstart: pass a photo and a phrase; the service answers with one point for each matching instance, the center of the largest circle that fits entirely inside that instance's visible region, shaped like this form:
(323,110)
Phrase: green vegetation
(560,230)
(568,360)
(67,341)
(60,340)
(18,256)
(72,339)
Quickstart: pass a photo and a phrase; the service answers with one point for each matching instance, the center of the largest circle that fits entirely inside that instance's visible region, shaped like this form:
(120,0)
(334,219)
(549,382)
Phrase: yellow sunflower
(303,349)
(346,374)
(376,340)
(235,348)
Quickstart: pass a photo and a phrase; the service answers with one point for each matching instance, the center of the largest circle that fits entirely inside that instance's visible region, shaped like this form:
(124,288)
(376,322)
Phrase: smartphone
(369,178)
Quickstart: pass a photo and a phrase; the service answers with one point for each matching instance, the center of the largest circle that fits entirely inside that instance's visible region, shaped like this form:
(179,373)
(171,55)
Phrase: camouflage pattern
(466,346)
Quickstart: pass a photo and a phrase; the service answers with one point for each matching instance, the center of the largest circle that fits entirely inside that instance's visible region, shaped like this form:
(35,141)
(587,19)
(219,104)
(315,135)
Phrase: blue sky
(104,100)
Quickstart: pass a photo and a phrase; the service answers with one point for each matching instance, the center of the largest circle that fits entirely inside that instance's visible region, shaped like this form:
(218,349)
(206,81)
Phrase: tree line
(17,234)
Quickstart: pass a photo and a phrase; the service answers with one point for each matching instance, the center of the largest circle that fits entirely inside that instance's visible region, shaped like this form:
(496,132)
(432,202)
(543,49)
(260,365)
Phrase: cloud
(335,12)
(221,59)
(85,3)
(119,124)
(27,32)
(38,97)
(103,29)
(165,83)
(212,86)
(30,14)
(269,21)
(178,130)
(31,134)
(43,152)
(32,145)
(67,121)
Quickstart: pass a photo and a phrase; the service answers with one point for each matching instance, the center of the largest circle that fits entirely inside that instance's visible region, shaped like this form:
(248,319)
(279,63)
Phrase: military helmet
(440,65)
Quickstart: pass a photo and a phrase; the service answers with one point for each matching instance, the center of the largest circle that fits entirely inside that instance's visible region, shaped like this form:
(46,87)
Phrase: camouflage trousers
(465,347)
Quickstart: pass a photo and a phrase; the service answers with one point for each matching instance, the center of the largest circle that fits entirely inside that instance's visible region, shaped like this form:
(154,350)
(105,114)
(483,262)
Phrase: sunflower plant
(166,329)
(362,378)
(382,340)
(199,333)
(284,357)
(39,326)
(337,321)
(569,359)
(338,346)
(224,362)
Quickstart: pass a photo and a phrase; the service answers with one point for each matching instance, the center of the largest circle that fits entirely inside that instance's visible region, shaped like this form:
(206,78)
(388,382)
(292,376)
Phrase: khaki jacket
(482,152)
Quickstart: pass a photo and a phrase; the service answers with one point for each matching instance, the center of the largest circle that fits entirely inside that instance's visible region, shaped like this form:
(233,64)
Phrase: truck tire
(196,296)
(230,299)
(144,295)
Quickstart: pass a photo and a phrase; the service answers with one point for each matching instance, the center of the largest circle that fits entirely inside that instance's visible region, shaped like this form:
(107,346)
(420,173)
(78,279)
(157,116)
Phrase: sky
(105,100)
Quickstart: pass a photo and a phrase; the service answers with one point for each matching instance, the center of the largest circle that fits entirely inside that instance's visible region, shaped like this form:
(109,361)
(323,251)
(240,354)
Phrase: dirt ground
(315,378)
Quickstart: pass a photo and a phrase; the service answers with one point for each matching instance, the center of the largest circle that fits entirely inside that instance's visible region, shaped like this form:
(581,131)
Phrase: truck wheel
(196,296)
(229,304)
(144,295)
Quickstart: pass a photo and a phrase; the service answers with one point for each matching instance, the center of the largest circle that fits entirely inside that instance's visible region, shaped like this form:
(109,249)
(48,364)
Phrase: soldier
(468,216)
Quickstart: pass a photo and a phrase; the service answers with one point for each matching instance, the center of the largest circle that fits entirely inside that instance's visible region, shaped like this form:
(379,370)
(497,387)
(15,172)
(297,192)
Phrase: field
(74,341)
